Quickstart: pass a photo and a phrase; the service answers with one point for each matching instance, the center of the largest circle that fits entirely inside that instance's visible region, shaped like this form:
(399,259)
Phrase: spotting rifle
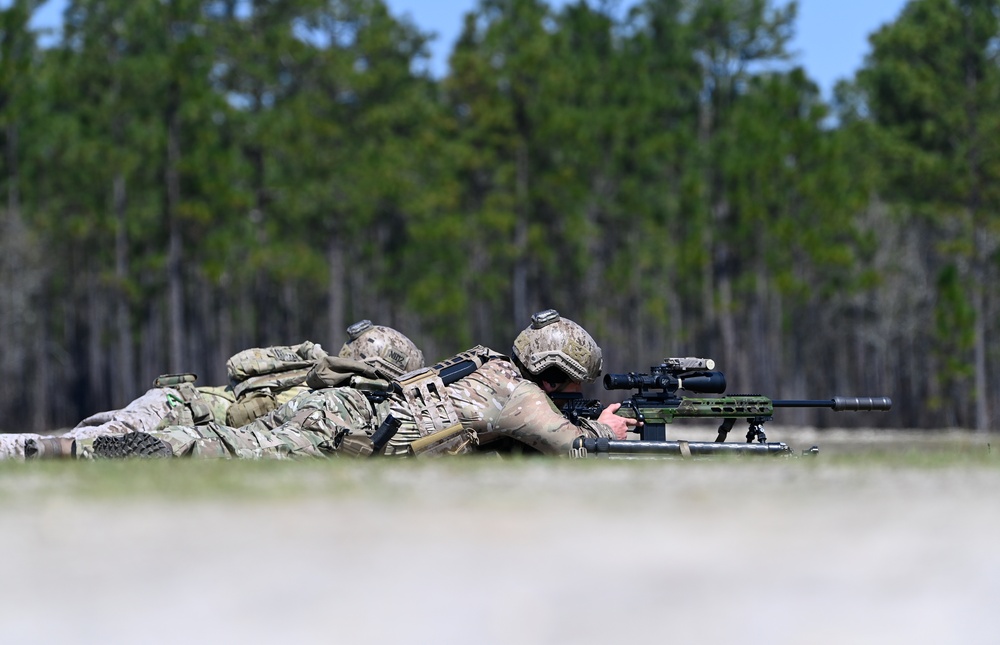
(655,403)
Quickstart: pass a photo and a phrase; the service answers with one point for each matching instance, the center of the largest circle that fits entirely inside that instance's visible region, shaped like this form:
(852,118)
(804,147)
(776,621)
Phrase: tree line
(183,179)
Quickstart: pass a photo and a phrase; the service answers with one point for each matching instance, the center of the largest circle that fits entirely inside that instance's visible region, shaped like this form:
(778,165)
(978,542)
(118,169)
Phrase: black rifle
(575,408)
(656,403)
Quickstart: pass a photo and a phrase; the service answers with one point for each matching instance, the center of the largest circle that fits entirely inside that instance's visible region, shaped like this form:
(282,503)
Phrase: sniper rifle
(655,403)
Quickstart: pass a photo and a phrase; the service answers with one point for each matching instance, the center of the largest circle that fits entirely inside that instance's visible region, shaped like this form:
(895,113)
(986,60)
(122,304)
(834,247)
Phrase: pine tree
(932,86)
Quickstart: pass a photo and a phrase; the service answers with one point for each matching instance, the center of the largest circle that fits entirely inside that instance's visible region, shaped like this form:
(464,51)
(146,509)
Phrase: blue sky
(831,39)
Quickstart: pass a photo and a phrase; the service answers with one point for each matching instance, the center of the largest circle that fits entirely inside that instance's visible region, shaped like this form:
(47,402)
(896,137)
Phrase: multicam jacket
(494,405)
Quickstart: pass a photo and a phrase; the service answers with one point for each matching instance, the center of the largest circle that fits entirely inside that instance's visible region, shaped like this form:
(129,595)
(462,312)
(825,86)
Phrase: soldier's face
(567,387)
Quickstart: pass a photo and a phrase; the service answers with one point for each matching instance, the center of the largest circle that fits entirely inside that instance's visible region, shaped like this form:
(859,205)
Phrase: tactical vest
(425,393)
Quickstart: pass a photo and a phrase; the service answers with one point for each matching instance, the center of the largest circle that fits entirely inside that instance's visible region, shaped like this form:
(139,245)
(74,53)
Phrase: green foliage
(932,87)
(230,174)
(954,320)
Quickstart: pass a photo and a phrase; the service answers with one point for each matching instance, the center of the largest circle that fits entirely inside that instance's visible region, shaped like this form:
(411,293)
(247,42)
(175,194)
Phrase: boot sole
(133,444)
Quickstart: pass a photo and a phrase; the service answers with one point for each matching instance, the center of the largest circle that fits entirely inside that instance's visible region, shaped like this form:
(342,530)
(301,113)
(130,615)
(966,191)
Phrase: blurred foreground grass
(880,539)
(478,478)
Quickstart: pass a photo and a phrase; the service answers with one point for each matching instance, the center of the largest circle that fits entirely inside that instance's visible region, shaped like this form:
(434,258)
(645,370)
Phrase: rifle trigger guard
(639,416)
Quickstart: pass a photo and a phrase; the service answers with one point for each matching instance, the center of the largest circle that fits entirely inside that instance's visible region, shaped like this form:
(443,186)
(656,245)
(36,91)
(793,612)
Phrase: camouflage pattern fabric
(157,408)
(249,407)
(254,404)
(264,378)
(144,413)
(269,360)
(338,371)
(12,444)
(343,409)
(313,424)
(187,406)
(553,341)
(274,382)
(492,403)
(216,441)
(197,405)
(383,348)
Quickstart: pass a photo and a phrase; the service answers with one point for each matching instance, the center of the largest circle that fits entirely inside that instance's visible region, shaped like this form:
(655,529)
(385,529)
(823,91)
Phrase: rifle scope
(705,382)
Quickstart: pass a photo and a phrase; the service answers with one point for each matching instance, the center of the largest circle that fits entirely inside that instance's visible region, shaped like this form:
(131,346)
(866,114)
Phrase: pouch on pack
(250,407)
(190,409)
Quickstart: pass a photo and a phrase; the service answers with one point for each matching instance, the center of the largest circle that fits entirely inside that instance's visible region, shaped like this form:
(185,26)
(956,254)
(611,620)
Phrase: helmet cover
(384,348)
(553,341)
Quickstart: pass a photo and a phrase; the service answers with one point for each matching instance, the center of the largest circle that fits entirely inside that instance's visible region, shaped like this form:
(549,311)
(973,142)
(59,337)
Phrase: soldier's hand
(619,425)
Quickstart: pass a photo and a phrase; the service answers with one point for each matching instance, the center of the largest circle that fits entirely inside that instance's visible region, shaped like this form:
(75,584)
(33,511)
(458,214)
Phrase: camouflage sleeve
(495,401)
(313,422)
(594,429)
(530,417)
(141,415)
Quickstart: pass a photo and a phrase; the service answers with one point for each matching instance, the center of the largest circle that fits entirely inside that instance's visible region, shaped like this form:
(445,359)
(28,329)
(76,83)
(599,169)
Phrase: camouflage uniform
(313,424)
(493,405)
(317,420)
(257,374)
(158,407)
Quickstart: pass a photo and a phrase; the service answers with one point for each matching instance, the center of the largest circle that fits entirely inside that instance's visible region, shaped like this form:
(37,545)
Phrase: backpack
(263,378)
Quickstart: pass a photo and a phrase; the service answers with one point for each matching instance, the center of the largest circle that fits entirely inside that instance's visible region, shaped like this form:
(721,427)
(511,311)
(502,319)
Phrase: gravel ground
(803,550)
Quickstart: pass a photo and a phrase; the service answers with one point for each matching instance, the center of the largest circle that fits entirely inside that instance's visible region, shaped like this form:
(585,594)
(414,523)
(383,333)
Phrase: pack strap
(275,381)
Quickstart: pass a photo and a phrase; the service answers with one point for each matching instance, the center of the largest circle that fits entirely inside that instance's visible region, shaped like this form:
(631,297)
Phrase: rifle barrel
(840,403)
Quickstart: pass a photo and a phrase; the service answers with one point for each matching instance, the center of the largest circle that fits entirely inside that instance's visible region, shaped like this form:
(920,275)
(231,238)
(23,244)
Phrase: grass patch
(924,456)
(182,479)
(464,478)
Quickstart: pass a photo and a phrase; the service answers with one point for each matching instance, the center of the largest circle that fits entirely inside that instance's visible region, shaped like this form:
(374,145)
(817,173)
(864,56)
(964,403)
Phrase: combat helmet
(384,348)
(553,341)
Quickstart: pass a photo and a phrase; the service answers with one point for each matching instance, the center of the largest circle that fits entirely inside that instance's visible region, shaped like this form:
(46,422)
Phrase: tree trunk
(40,386)
(335,295)
(175,250)
(636,337)
(979,249)
(979,357)
(709,324)
(124,375)
(98,397)
(11,290)
(519,282)
(224,325)
(483,318)
(151,342)
(726,318)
